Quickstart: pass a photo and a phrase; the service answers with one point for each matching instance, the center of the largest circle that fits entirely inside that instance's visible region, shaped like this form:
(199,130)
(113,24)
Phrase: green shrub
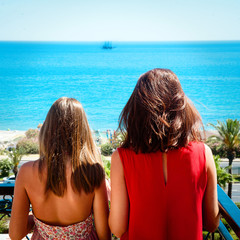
(238,204)
(3,151)
(223,177)
(4,224)
(226,224)
(106,149)
(5,167)
(216,149)
(28,146)
(237,178)
(221,152)
(107,166)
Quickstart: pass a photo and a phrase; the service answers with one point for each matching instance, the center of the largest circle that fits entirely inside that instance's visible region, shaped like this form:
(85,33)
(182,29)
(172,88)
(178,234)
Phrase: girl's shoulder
(28,172)
(29,166)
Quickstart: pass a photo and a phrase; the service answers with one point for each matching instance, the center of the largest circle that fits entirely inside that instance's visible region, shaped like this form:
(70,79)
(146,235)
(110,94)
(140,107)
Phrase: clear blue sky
(119,20)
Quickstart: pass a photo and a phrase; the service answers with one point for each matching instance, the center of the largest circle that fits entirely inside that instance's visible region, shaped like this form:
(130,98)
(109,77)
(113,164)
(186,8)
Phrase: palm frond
(229,133)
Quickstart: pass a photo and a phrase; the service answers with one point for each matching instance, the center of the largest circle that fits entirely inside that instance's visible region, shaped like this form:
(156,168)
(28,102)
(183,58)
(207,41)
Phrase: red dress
(167,212)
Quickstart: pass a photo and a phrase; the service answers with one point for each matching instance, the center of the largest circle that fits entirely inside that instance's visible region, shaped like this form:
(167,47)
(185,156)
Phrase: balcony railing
(228,210)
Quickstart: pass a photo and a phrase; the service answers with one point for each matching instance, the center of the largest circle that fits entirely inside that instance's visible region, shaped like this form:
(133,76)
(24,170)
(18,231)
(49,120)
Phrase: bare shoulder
(116,165)
(115,154)
(29,165)
(27,169)
(208,149)
(115,159)
(209,156)
(117,168)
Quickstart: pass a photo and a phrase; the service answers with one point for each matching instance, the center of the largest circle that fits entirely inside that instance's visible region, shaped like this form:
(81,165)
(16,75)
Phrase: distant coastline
(11,137)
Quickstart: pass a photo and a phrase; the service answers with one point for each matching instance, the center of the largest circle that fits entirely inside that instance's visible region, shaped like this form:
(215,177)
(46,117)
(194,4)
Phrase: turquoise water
(34,75)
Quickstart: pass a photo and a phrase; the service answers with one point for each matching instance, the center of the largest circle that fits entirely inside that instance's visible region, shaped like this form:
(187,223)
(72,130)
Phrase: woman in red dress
(163,177)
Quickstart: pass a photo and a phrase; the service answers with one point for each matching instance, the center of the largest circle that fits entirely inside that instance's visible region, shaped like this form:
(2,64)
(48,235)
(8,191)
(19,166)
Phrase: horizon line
(120,41)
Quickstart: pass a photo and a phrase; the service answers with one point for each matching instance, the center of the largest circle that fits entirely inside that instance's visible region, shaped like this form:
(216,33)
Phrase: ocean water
(34,75)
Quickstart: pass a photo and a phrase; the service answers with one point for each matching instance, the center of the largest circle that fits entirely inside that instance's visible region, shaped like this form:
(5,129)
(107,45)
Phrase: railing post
(230,212)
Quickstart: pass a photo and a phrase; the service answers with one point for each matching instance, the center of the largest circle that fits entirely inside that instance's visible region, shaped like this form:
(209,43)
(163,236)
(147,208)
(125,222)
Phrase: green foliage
(15,156)
(228,141)
(4,224)
(114,237)
(217,236)
(237,178)
(3,151)
(106,149)
(229,136)
(29,144)
(114,143)
(232,233)
(217,149)
(226,224)
(5,167)
(107,167)
(223,177)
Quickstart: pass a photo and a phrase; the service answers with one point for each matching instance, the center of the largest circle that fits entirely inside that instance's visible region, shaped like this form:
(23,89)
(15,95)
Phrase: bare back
(51,209)
(71,208)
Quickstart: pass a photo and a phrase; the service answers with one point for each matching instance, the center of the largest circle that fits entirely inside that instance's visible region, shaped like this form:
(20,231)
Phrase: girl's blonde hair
(66,134)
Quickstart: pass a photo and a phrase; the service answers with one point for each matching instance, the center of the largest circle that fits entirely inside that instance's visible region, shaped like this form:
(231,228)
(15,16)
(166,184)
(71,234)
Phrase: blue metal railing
(230,212)
(6,189)
(224,232)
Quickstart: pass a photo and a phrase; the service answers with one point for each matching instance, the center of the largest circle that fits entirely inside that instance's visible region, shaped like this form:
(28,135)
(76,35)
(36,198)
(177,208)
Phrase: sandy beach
(11,135)
(10,138)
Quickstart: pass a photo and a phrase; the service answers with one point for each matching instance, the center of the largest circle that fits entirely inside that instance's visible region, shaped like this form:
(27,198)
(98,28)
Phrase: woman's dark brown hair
(66,136)
(158,115)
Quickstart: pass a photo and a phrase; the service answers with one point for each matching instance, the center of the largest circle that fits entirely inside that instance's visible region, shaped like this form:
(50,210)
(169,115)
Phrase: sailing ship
(107,45)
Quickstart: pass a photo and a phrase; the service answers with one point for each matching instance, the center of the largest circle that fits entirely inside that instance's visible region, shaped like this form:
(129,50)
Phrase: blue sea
(34,74)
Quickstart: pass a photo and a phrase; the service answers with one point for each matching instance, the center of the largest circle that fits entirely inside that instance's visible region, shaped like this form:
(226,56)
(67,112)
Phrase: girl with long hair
(163,177)
(66,186)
